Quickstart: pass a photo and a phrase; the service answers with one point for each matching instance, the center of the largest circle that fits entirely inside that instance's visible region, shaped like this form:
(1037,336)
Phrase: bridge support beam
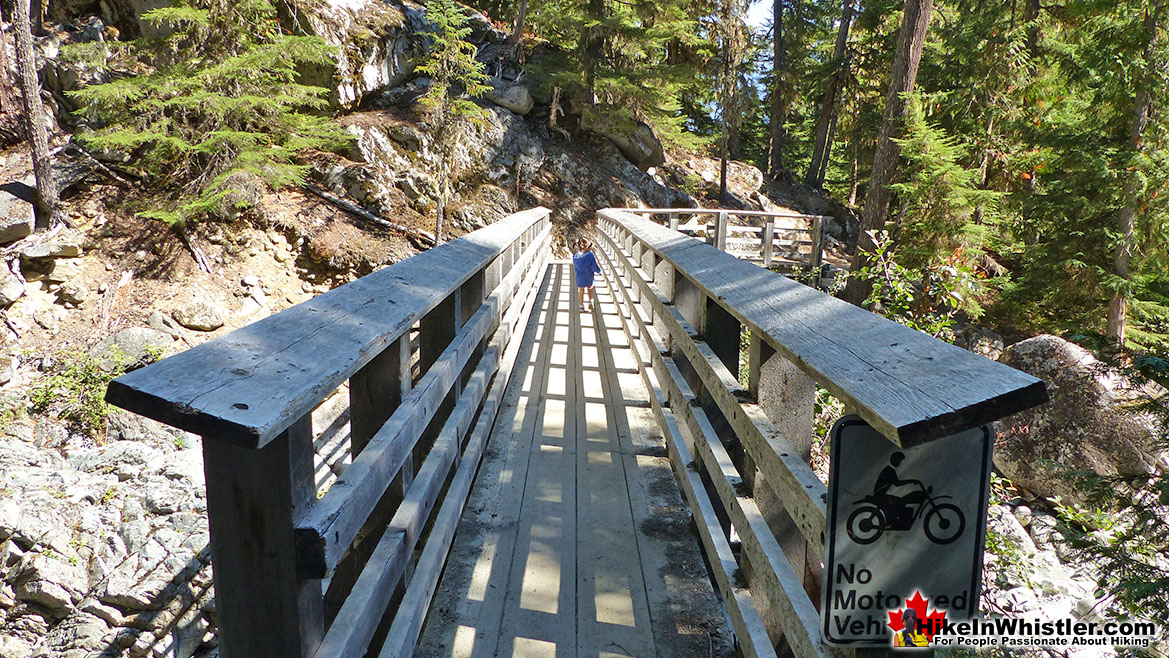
(265,609)
(788,397)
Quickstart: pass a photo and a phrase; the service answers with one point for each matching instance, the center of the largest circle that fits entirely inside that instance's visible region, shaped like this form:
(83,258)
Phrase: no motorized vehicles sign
(900,521)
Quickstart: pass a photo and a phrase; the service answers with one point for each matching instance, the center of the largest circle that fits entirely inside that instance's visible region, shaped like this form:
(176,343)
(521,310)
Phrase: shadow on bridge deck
(575,541)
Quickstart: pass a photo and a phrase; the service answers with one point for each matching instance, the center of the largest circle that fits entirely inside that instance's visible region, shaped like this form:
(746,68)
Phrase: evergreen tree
(910,42)
(455,78)
(619,62)
(215,107)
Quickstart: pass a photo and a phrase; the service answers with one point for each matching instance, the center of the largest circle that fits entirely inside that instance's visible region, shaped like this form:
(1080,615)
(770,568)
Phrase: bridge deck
(575,541)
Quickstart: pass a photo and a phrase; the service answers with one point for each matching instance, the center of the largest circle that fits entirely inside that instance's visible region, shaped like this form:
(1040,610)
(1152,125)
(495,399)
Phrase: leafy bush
(927,298)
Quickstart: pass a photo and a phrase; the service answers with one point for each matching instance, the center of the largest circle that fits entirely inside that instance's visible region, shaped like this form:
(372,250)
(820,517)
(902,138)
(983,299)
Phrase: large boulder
(1093,422)
(16,216)
(635,139)
(512,96)
(377,44)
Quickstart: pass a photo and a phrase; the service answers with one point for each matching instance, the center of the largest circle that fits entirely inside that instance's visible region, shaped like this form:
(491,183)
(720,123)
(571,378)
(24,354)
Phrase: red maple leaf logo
(931,622)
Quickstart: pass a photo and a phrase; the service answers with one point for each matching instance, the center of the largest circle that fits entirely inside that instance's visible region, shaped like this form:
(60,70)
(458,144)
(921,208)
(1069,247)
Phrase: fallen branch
(99,165)
(196,253)
(421,239)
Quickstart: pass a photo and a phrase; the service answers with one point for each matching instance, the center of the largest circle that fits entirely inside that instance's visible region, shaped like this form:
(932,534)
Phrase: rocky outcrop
(16,217)
(1093,422)
(376,44)
(103,548)
(505,157)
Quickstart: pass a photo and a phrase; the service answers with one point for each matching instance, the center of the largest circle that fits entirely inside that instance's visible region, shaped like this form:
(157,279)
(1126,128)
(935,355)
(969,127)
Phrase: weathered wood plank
(779,461)
(249,385)
(407,623)
(326,531)
(354,627)
(265,610)
(753,638)
(910,386)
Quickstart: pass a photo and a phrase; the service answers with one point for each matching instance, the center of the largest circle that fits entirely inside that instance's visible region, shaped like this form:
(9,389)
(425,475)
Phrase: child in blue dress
(584,262)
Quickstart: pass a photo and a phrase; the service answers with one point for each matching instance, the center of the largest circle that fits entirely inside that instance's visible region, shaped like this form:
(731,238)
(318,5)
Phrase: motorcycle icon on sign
(883,511)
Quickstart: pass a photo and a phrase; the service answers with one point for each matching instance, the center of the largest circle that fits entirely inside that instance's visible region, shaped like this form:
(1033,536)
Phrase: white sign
(902,521)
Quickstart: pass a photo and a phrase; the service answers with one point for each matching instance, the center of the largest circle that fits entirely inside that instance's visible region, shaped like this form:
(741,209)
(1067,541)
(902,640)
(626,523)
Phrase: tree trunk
(853,183)
(823,173)
(1031,20)
(724,142)
(778,94)
(594,48)
(11,128)
(1126,218)
(48,200)
(910,42)
(521,18)
(439,219)
(829,102)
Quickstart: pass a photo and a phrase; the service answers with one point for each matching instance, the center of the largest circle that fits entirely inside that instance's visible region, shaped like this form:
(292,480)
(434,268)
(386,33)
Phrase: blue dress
(585,264)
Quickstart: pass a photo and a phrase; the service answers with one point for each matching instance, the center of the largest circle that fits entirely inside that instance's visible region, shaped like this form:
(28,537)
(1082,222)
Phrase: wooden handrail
(910,386)
(714,211)
(249,386)
(738,448)
(287,559)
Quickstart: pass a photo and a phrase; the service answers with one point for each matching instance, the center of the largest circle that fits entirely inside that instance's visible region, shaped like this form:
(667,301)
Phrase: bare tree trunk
(48,200)
(1126,218)
(820,175)
(724,142)
(829,102)
(439,220)
(778,93)
(1031,20)
(521,18)
(906,60)
(853,182)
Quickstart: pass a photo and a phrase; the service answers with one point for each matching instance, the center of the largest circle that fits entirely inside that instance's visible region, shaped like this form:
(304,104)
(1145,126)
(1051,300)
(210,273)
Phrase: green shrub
(74,389)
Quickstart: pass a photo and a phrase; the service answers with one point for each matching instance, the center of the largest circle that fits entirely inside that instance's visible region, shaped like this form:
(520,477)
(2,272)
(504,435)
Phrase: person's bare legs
(580,296)
(593,297)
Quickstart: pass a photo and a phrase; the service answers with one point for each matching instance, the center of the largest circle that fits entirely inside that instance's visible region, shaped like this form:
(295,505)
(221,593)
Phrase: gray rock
(515,97)
(251,280)
(114,454)
(980,341)
(1089,424)
(136,345)
(66,244)
(79,634)
(17,218)
(50,581)
(634,139)
(11,288)
(200,315)
(72,293)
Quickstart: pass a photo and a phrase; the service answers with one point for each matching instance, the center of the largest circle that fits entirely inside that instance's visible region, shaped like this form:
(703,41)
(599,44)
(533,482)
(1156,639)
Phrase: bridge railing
(740,448)
(771,245)
(301,572)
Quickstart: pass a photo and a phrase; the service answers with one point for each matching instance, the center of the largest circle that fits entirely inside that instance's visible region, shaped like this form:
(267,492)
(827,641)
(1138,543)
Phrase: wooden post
(721,236)
(376,390)
(788,396)
(817,249)
(768,242)
(674,221)
(265,610)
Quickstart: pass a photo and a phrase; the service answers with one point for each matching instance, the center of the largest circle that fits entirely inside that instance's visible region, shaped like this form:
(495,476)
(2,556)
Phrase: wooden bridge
(517,462)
